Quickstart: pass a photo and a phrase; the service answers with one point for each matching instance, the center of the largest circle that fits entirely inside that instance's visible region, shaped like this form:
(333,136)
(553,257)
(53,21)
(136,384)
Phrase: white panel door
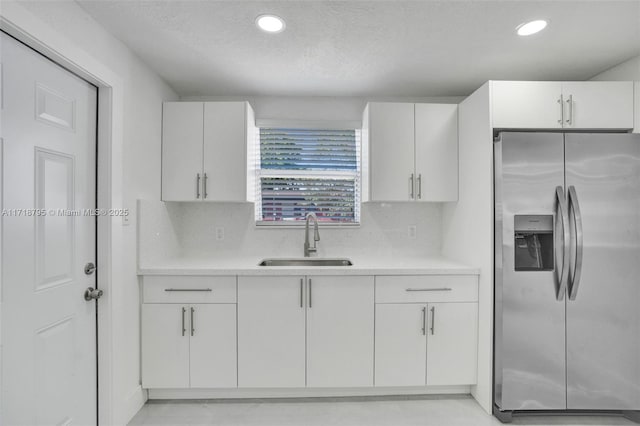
(182,147)
(401,344)
(598,104)
(271,332)
(452,343)
(391,151)
(526,104)
(225,151)
(340,319)
(213,346)
(165,345)
(48,172)
(436,152)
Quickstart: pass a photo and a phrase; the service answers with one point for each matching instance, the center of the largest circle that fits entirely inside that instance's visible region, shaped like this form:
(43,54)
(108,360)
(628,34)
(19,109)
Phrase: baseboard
(302,392)
(131,404)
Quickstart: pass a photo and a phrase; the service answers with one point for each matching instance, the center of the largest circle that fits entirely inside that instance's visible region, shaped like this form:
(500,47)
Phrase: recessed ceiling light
(532,27)
(270,23)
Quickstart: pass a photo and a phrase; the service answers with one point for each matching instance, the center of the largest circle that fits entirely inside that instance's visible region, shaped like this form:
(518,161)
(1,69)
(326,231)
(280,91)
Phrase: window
(305,170)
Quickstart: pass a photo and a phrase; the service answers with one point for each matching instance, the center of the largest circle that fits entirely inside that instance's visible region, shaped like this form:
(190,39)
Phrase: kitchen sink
(305,262)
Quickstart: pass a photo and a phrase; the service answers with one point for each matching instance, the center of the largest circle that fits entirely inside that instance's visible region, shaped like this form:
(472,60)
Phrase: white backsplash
(170,229)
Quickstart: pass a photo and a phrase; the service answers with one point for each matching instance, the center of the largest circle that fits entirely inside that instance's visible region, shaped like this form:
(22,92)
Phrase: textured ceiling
(369,48)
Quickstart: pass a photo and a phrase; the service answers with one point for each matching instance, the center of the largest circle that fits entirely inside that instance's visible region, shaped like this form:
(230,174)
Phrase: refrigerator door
(603,319)
(529,318)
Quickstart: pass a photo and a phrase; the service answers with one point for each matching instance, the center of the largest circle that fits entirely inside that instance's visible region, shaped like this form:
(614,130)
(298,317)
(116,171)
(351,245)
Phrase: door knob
(92,294)
(89,268)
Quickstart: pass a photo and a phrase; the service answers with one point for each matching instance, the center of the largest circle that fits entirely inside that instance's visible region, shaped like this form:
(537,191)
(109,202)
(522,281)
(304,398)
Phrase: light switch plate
(219,233)
(412,232)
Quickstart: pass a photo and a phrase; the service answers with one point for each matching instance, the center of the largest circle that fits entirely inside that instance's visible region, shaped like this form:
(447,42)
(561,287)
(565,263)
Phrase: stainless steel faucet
(316,235)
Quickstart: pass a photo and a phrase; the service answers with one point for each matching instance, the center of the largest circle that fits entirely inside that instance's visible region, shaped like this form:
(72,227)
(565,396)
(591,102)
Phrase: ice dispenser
(533,242)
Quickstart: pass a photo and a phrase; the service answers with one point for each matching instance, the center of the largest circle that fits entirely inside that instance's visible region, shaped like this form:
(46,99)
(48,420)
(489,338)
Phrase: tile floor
(423,411)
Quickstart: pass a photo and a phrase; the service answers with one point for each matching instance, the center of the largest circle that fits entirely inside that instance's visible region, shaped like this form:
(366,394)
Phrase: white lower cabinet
(165,346)
(309,331)
(401,345)
(271,332)
(189,332)
(314,331)
(188,345)
(340,331)
(431,337)
(212,350)
(452,344)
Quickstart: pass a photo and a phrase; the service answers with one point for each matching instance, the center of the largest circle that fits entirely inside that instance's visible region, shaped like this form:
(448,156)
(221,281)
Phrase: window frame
(259,173)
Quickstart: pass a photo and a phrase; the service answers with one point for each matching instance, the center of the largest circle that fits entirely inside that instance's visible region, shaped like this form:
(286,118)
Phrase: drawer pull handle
(187,289)
(429,289)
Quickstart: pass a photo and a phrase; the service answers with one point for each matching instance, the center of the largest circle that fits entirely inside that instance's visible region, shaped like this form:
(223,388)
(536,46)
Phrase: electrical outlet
(412,231)
(219,233)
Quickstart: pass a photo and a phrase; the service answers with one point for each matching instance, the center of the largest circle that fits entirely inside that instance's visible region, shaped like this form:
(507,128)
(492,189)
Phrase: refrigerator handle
(574,276)
(562,250)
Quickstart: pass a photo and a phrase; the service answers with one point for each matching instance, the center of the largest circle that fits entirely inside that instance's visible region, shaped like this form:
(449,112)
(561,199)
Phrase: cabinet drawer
(426,288)
(194,289)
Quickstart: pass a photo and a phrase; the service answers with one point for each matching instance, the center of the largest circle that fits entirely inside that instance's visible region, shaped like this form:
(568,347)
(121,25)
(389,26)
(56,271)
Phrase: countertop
(361,266)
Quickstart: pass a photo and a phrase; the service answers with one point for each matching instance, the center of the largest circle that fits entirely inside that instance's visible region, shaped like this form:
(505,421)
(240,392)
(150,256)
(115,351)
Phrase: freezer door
(603,319)
(529,317)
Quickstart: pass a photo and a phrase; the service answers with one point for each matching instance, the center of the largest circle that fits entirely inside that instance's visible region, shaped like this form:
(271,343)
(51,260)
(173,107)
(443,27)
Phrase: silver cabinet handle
(198,185)
(561,102)
(310,284)
(420,186)
(574,208)
(187,289)
(570,102)
(301,292)
(411,185)
(562,249)
(433,320)
(193,327)
(429,289)
(424,321)
(184,310)
(205,186)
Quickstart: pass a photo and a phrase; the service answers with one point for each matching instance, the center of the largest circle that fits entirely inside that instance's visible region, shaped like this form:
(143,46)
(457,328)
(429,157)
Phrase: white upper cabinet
(436,152)
(562,105)
(204,150)
(526,104)
(182,135)
(410,152)
(391,151)
(598,104)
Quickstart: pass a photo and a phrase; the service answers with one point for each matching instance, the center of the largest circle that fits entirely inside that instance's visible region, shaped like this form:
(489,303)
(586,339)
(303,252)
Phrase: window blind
(306,170)
(303,149)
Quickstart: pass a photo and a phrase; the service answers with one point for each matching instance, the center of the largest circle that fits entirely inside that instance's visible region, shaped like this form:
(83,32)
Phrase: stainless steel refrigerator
(567,273)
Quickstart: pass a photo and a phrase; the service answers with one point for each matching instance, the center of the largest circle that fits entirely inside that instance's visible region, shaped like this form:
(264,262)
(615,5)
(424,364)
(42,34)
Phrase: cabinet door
(340,331)
(271,332)
(436,152)
(598,104)
(400,345)
(452,343)
(213,362)
(165,346)
(182,134)
(526,104)
(391,151)
(225,151)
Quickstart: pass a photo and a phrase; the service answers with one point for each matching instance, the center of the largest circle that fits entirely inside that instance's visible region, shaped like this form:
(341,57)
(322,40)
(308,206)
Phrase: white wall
(144,92)
(316,108)
(626,71)
(169,230)
(468,224)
